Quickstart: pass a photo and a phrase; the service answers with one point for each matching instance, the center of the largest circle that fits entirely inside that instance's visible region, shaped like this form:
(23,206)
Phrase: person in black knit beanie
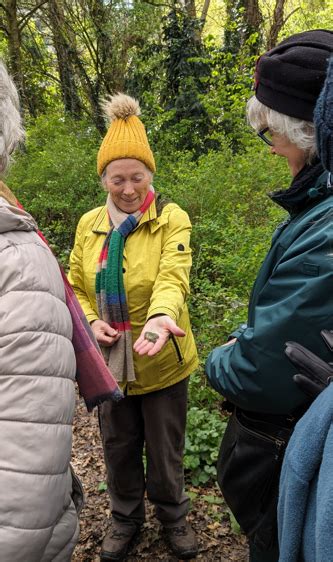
(291,297)
(289,77)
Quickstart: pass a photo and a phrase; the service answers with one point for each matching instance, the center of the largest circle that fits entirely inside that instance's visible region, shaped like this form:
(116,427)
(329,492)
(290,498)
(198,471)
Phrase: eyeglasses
(266,136)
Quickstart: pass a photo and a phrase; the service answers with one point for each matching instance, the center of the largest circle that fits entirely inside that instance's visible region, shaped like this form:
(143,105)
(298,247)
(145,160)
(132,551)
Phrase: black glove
(314,373)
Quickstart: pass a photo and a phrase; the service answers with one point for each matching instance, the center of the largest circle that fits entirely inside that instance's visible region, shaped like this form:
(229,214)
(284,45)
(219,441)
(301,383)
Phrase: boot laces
(178,531)
(118,535)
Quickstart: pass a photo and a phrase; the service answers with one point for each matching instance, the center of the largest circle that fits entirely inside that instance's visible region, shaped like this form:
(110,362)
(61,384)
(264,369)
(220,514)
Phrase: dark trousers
(158,420)
(256,555)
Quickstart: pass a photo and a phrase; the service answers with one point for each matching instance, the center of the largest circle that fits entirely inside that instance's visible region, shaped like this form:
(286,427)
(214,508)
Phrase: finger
(107,340)
(309,387)
(138,342)
(157,346)
(327,336)
(108,330)
(176,331)
(307,362)
(144,347)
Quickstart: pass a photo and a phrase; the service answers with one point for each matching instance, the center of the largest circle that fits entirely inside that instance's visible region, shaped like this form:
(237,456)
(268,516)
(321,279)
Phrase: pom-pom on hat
(126,136)
(290,76)
(323,120)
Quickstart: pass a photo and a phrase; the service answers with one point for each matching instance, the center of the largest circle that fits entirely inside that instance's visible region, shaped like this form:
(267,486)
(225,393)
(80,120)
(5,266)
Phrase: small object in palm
(151,336)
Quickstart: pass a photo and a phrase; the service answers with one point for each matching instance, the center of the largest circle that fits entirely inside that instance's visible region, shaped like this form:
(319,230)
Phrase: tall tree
(13,20)
(243,26)
(63,45)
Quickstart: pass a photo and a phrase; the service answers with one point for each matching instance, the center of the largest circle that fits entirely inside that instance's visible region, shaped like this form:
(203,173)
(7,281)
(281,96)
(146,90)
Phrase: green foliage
(55,177)
(102,487)
(203,435)
(187,72)
(225,194)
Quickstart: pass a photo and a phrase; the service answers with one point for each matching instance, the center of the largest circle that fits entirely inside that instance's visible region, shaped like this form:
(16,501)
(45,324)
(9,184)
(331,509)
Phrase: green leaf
(212,500)
(102,487)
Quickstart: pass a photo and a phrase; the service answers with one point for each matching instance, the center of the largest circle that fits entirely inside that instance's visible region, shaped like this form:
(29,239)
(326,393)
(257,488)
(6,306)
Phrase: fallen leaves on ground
(209,515)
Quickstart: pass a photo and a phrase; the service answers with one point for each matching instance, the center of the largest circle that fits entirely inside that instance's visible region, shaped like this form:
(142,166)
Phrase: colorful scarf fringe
(110,291)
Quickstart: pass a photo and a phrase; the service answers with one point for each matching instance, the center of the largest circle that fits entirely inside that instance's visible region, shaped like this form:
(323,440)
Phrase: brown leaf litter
(209,515)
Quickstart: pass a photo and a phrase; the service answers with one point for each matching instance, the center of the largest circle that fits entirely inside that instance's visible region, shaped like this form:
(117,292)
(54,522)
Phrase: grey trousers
(156,420)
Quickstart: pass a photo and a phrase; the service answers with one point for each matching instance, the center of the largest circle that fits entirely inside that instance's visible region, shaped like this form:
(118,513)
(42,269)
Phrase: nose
(272,150)
(128,188)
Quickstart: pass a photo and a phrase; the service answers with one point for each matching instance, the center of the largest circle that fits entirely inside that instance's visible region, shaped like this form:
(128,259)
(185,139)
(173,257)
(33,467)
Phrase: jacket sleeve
(75,275)
(172,282)
(295,303)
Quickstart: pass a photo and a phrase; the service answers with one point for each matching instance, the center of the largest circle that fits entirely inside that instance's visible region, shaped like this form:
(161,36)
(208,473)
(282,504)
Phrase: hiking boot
(118,541)
(182,541)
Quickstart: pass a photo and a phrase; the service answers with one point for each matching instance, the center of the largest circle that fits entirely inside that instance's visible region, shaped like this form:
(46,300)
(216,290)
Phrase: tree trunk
(112,78)
(204,13)
(244,19)
(277,24)
(65,67)
(14,46)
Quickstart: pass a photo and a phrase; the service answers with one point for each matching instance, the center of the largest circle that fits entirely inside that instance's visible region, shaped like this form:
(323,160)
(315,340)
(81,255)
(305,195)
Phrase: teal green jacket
(292,299)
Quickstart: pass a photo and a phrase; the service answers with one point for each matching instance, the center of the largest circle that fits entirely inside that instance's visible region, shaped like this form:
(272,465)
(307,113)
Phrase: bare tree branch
(204,13)
(291,14)
(158,5)
(4,29)
(23,22)
(277,23)
(4,7)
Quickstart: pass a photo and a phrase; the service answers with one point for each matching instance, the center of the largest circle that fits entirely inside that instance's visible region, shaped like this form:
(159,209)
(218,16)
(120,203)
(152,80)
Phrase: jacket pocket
(179,354)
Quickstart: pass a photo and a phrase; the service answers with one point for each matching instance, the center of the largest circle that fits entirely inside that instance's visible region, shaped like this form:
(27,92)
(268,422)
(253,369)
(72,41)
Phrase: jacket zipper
(179,355)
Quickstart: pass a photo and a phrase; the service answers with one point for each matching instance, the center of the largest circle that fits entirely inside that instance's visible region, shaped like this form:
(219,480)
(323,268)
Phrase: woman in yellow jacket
(130,270)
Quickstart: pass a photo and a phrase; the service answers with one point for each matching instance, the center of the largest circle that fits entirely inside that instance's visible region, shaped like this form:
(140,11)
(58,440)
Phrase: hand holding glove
(314,373)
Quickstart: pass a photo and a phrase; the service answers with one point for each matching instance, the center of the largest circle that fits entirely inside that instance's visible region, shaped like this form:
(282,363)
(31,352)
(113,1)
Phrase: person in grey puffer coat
(38,519)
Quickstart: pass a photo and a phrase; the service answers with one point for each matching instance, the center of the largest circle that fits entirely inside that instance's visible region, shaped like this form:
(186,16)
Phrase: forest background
(191,65)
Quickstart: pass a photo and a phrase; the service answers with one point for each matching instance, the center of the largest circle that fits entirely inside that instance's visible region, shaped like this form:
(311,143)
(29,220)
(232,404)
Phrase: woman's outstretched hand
(155,334)
(104,334)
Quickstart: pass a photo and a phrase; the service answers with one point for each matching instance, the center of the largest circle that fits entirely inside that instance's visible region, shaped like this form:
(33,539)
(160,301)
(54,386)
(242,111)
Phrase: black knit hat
(323,120)
(290,76)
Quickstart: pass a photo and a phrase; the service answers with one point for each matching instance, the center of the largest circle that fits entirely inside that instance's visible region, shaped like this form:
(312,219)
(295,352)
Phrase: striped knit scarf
(110,291)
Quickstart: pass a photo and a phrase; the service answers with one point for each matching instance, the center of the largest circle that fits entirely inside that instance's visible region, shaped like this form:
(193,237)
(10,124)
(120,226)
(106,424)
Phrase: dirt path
(209,515)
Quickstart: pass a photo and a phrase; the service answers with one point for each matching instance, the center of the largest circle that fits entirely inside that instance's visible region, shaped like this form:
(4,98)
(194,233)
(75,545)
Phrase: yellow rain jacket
(156,267)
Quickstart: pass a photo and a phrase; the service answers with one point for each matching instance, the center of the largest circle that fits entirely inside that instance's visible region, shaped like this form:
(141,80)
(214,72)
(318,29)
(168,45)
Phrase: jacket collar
(7,194)
(13,217)
(102,226)
(308,187)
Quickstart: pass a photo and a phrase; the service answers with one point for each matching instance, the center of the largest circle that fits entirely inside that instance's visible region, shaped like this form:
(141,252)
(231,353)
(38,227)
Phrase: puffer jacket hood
(13,218)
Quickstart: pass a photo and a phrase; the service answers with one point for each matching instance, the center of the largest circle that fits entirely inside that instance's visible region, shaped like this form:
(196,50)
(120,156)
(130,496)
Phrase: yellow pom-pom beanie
(126,136)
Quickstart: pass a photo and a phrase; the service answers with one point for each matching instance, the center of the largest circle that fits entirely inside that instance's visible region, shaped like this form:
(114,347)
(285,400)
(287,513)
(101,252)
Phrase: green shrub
(55,177)
(204,432)
(225,195)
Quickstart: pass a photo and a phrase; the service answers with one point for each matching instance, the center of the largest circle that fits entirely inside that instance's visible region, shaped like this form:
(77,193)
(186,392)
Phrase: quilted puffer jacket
(38,520)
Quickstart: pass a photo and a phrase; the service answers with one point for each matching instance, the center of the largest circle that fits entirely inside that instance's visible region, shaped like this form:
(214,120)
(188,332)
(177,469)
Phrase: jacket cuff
(91,317)
(241,328)
(162,310)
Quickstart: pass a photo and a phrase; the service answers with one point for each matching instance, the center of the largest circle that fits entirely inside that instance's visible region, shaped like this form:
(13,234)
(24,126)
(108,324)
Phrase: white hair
(11,130)
(297,131)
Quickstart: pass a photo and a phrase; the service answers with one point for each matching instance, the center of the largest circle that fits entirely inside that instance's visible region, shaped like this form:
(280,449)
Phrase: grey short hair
(299,132)
(11,130)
